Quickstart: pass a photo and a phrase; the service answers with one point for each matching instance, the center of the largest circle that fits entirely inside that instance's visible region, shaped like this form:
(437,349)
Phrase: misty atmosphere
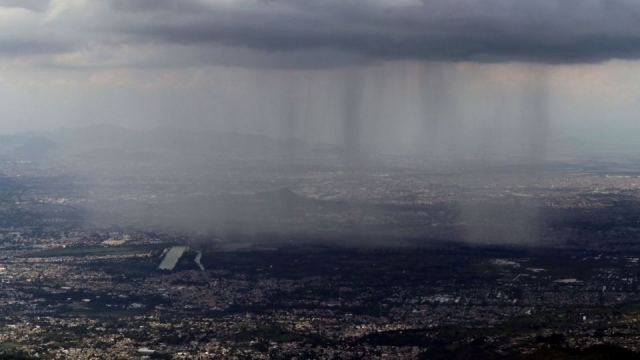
(288,179)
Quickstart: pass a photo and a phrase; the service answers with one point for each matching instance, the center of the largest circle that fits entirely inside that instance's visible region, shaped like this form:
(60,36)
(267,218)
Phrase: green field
(93,250)
(8,345)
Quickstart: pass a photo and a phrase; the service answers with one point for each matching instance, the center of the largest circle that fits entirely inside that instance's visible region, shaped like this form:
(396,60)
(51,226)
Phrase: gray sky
(455,73)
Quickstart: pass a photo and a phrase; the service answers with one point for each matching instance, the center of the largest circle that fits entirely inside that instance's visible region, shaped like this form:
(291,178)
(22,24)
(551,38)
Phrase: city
(388,262)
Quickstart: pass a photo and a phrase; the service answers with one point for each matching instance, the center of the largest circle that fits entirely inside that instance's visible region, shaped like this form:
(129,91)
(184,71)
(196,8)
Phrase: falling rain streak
(415,107)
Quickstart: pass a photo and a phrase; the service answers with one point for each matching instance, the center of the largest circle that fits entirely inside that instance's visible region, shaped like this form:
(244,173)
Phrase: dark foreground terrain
(278,260)
(439,301)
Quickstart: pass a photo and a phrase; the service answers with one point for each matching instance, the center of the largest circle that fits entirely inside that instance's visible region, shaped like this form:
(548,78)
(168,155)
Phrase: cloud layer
(317,33)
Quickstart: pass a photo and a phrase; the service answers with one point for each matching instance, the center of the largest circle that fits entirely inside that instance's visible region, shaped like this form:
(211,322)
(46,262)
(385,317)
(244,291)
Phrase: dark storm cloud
(33,5)
(550,31)
(155,5)
(14,47)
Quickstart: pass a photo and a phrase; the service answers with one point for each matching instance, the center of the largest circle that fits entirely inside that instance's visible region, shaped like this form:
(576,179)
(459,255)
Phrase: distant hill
(36,146)
(116,155)
(113,143)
